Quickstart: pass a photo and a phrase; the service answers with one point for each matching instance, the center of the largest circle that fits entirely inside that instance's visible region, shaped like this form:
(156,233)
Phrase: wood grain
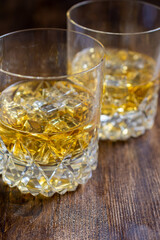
(120,202)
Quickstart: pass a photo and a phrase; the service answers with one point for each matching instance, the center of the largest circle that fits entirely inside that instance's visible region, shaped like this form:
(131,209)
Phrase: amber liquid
(130,91)
(47,120)
(128,80)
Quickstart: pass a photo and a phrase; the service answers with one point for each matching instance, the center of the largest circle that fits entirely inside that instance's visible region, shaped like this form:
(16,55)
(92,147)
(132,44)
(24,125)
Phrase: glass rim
(53,77)
(109,33)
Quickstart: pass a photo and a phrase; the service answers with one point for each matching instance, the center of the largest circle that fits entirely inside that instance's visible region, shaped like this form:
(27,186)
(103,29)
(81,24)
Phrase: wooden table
(120,202)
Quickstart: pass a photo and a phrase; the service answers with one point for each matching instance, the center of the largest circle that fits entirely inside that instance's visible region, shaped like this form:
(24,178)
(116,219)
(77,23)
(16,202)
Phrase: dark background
(21,14)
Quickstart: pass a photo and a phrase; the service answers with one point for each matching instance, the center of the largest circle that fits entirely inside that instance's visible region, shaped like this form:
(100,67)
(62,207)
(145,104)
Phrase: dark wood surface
(120,202)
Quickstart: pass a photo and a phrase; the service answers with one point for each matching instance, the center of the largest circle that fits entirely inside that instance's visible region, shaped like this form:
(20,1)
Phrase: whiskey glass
(130,33)
(48,119)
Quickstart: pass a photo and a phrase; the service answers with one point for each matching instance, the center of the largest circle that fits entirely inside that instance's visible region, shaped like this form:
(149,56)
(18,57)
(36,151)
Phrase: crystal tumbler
(48,119)
(130,32)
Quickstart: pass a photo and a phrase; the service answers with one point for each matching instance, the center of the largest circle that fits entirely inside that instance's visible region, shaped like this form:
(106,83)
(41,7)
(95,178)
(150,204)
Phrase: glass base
(46,180)
(132,124)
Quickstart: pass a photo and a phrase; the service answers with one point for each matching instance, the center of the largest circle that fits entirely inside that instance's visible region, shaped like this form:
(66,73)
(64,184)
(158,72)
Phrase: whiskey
(130,92)
(49,126)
